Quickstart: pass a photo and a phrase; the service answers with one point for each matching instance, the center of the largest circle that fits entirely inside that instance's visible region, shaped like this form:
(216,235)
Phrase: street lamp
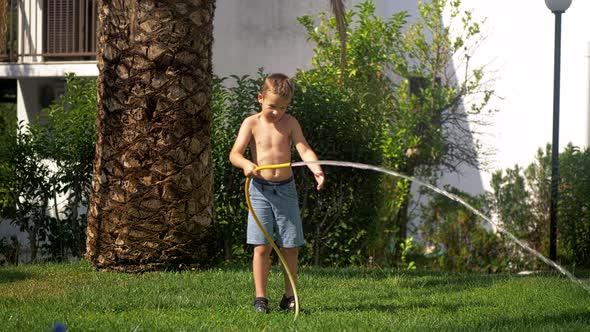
(558,7)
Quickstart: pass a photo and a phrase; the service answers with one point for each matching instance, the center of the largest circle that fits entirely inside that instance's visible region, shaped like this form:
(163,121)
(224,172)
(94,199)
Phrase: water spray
(453,197)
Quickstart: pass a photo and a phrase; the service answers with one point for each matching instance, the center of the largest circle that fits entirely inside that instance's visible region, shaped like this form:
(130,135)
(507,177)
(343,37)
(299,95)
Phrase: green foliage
(32,190)
(510,200)
(574,206)
(520,199)
(338,125)
(406,93)
(9,250)
(70,130)
(8,129)
(346,119)
(466,241)
(406,247)
(232,102)
(337,219)
(49,168)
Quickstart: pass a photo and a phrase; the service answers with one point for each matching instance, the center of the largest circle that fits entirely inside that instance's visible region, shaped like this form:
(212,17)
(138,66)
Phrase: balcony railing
(33,31)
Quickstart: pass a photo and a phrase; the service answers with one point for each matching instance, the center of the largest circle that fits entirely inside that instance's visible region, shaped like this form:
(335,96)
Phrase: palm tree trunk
(3,25)
(151,204)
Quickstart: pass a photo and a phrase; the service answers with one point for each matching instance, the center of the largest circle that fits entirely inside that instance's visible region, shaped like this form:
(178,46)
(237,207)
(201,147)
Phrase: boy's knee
(262,250)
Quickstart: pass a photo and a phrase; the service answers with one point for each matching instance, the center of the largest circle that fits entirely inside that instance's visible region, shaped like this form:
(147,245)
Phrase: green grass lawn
(34,297)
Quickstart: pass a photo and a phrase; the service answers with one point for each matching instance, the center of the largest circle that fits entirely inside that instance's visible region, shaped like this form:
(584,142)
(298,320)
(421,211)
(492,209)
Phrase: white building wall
(261,33)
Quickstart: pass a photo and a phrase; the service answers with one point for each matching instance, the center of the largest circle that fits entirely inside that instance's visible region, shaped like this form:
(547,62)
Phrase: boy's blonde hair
(279,84)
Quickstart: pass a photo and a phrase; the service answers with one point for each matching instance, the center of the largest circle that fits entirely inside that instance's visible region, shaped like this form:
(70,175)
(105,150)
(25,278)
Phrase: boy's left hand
(319,178)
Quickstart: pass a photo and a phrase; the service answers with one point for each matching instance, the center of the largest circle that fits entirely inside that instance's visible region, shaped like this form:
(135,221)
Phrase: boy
(269,134)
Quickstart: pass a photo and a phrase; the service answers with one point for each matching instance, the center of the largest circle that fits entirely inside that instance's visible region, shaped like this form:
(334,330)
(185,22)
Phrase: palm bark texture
(151,204)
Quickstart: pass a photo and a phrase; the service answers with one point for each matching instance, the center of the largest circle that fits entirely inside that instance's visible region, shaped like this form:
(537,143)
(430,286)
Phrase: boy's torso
(271,144)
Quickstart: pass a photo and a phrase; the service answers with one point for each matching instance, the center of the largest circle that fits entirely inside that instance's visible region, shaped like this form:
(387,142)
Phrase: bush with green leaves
(234,99)
(465,241)
(574,206)
(32,191)
(520,198)
(8,129)
(9,250)
(409,93)
(70,129)
(49,172)
(340,220)
(375,114)
(337,218)
(348,114)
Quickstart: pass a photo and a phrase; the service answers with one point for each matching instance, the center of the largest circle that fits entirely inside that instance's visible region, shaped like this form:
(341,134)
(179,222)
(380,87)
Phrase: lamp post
(558,7)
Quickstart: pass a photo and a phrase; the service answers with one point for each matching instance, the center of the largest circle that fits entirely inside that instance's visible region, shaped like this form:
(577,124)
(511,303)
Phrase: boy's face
(273,106)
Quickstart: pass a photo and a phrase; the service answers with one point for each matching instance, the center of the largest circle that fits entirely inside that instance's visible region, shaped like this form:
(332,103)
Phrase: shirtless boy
(269,134)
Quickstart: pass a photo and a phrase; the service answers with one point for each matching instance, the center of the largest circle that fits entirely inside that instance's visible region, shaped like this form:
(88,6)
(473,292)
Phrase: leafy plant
(337,220)
(8,129)
(234,99)
(520,199)
(574,206)
(406,247)
(70,130)
(48,170)
(32,190)
(9,250)
(407,92)
(467,242)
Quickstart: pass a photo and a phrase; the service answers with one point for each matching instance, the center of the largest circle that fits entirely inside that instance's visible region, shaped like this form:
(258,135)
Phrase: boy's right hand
(250,170)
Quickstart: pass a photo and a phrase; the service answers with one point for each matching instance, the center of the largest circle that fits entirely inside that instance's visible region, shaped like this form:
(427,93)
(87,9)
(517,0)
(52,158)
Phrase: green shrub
(233,101)
(467,242)
(336,219)
(8,129)
(574,207)
(70,129)
(520,198)
(48,166)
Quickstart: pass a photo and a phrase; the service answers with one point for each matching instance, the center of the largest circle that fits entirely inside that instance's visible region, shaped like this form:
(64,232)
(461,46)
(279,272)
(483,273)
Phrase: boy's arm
(236,155)
(306,153)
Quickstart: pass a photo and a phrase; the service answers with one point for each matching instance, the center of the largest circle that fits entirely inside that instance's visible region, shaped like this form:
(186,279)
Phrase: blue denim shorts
(277,208)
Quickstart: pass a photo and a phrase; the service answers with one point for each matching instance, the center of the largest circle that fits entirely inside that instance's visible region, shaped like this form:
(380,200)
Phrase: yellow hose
(268,237)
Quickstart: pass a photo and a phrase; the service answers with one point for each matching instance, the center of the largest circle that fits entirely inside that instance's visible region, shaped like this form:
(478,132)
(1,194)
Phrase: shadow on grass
(12,276)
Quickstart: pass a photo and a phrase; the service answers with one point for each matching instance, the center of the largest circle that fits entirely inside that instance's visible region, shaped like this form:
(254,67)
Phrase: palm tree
(151,204)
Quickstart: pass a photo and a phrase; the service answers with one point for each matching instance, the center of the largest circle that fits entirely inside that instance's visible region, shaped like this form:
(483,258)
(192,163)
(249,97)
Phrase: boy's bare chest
(269,136)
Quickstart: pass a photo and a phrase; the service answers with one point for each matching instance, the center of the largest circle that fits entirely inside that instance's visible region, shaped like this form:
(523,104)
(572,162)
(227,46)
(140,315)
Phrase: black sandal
(261,304)
(287,303)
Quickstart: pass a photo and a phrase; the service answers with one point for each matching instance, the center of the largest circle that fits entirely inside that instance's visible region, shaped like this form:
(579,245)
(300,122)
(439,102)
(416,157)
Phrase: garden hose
(268,237)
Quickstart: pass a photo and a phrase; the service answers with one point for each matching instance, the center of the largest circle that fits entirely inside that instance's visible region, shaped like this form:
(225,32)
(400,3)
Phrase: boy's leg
(290,255)
(261,268)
